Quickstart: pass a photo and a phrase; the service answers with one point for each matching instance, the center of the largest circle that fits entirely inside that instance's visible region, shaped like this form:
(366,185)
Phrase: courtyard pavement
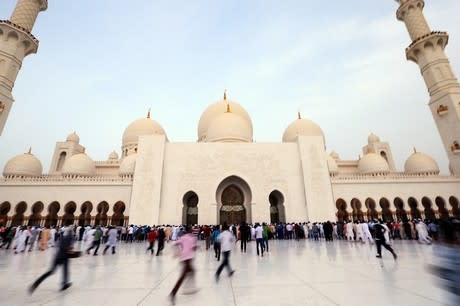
(292,273)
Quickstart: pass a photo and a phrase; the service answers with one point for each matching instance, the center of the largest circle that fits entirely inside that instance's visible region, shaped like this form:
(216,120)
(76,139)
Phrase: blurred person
(151,237)
(96,236)
(63,253)
(259,239)
(380,240)
(161,240)
(226,240)
(447,250)
(422,232)
(112,235)
(216,242)
(187,245)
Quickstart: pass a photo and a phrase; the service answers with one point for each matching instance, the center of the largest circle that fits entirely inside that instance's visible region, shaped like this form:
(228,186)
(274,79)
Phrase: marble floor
(292,273)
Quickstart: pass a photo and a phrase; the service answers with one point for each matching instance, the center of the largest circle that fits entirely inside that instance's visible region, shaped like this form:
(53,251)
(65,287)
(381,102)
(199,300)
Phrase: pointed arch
(101,216)
(118,216)
(190,208)
(52,217)
(18,217)
(36,217)
(428,210)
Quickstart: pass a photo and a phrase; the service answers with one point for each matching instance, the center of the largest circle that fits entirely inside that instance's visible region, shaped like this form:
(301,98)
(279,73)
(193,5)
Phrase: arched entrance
(415,213)
(118,217)
(400,211)
(36,217)
(18,218)
(429,212)
(386,211)
(190,208)
(277,212)
(101,217)
(234,201)
(342,214)
(85,214)
(441,204)
(357,212)
(52,217)
(4,210)
(69,210)
(372,213)
(453,201)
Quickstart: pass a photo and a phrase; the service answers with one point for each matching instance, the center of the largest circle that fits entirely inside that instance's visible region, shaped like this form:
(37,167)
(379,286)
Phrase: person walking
(381,241)
(97,235)
(112,235)
(216,242)
(161,240)
(63,253)
(226,239)
(187,245)
(44,238)
(259,239)
(152,236)
(245,231)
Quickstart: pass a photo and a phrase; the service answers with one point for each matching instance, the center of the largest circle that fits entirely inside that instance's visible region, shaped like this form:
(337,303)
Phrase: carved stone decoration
(442,110)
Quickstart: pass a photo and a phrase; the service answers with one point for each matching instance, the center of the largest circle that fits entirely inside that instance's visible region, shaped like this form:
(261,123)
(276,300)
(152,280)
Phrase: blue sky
(102,64)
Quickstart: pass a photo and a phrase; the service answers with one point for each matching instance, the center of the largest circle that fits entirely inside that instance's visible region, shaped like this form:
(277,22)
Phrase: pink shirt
(187,245)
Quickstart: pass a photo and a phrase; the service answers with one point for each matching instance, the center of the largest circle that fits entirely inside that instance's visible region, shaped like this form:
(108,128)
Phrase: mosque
(225,176)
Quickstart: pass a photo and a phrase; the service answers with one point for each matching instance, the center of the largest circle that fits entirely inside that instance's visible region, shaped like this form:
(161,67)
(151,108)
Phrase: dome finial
(30,150)
(415,150)
(148,113)
(299,116)
(228,108)
(225,94)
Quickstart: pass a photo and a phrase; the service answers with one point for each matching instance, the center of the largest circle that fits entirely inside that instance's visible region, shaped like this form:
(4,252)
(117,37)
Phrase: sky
(102,64)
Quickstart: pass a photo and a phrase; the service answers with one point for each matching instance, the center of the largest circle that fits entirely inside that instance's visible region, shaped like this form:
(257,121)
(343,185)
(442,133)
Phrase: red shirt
(152,236)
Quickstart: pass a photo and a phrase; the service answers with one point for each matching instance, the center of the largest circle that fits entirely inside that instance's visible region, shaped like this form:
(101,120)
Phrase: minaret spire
(26,12)
(427,50)
(16,42)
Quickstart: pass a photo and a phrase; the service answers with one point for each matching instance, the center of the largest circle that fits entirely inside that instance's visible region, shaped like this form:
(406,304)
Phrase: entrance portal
(190,208)
(232,210)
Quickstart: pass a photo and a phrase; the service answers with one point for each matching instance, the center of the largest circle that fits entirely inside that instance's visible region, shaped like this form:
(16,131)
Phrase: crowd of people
(222,239)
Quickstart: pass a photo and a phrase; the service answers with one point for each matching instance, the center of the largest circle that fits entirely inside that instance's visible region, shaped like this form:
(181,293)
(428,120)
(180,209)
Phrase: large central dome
(215,110)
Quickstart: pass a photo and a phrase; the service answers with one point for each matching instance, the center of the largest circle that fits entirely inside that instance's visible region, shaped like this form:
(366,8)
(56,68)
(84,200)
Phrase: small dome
(332,165)
(79,164)
(419,163)
(372,138)
(215,110)
(229,127)
(113,156)
(301,127)
(23,165)
(128,165)
(144,126)
(372,163)
(73,137)
(334,155)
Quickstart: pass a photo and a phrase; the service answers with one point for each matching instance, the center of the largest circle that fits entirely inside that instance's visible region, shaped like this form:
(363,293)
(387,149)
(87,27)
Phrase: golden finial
(228,108)
(415,150)
(299,116)
(148,113)
(225,94)
(30,150)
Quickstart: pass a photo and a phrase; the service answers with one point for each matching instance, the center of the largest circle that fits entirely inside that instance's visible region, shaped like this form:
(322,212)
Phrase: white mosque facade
(225,176)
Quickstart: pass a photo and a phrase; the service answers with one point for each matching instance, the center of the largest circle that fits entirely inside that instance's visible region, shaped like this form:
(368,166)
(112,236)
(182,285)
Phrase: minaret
(16,42)
(427,50)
